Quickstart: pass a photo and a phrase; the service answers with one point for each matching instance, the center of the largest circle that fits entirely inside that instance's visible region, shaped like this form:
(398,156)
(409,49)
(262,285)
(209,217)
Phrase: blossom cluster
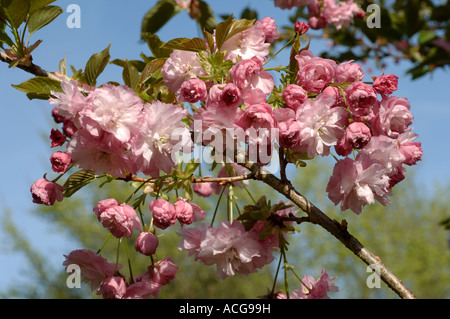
(325,107)
(323,13)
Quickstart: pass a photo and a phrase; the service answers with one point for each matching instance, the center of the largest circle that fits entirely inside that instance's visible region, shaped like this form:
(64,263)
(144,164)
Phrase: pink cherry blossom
(301,27)
(393,117)
(269,28)
(60,162)
(192,91)
(113,109)
(314,73)
(224,95)
(294,95)
(357,183)
(315,289)
(46,192)
(146,243)
(289,133)
(163,272)
(104,154)
(162,135)
(357,135)
(321,125)
(229,247)
(142,290)
(119,219)
(163,213)
(349,72)
(71,102)
(289,4)
(361,99)
(187,213)
(113,287)
(249,44)
(203,189)
(336,94)
(386,84)
(340,14)
(248,74)
(181,66)
(412,151)
(94,268)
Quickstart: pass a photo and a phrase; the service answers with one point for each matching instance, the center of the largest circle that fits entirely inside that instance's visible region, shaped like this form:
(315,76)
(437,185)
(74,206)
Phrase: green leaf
(426,36)
(158,16)
(63,66)
(207,21)
(78,180)
(38,4)
(39,87)
(155,45)
(15,11)
(41,17)
(185,44)
(139,65)
(130,76)
(4,38)
(151,68)
(95,66)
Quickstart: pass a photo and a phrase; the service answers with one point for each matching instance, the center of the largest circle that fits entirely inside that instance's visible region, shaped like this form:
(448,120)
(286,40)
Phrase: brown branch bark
(316,216)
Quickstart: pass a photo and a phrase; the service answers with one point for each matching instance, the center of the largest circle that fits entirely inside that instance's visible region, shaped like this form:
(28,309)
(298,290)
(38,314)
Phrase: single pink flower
(361,99)
(301,27)
(248,74)
(60,162)
(163,212)
(163,272)
(348,72)
(94,268)
(119,219)
(46,192)
(181,66)
(357,183)
(113,287)
(294,95)
(314,73)
(269,28)
(249,44)
(187,213)
(315,289)
(393,117)
(357,135)
(203,189)
(192,91)
(146,243)
(386,84)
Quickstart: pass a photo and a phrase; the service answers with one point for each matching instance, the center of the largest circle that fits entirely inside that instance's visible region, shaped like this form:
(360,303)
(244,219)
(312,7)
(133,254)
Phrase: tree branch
(316,216)
(31,68)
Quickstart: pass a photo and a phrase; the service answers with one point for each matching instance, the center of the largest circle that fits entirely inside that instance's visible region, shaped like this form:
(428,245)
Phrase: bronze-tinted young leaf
(151,68)
(155,45)
(222,31)
(185,44)
(42,17)
(138,64)
(95,66)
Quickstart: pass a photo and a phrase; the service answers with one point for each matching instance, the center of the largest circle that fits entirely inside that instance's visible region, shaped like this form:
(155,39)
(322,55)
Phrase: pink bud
(60,162)
(185,212)
(164,213)
(46,192)
(301,27)
(57,138)
(386,84)
(146,243)
(358,135)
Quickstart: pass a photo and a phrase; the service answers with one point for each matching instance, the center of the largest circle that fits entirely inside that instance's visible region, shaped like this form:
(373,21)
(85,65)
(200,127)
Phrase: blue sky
(25,153)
